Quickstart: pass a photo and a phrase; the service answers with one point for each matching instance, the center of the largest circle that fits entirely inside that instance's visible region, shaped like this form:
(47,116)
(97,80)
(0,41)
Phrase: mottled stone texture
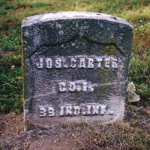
(75,67)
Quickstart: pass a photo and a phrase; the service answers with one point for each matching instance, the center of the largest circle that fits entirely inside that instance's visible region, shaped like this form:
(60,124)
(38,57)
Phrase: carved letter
(90,88)
(95,110)
(58,63)
(88,109)
(51,111)
(99,60)
(84,86)
(78,86)
(68,110)
(48,62)
(90,63)
(103,109)
(42,111)
(82,63)
(72,86)
(41,63)
(114,63)
(61,113)
(62,86)
(76,110)
(107,62)
(83,110)
(110,112)
(65,64)
(73,63)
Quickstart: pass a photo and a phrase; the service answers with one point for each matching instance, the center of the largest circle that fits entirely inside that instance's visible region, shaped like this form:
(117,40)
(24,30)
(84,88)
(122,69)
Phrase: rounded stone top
(71,15)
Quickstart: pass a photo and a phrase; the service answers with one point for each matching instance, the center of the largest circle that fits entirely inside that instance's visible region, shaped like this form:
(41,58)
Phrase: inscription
(46,111)
(69,110)
(78,85)
(80,61)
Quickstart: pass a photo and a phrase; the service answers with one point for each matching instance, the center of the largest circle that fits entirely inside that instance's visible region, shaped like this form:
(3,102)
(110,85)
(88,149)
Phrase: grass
(10,84)
(12,12)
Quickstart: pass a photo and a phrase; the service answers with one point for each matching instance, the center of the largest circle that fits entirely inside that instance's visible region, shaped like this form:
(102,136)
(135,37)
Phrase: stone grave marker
(75,67)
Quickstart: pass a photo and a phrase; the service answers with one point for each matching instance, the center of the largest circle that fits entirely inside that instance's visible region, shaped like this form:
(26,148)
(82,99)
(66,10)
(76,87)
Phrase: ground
(134,133)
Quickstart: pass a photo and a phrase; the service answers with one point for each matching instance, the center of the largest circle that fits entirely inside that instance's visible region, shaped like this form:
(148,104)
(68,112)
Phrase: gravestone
(75,67)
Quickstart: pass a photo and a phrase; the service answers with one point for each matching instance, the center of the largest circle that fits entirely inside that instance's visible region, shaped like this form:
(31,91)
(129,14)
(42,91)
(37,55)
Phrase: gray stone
(75,68)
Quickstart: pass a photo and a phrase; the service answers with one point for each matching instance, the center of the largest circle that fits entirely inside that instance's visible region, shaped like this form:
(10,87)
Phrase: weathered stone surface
(75,67)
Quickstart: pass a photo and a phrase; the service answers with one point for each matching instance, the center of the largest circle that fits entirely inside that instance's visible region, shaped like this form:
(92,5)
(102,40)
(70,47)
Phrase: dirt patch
(133,134)
(11,124)
(51,144)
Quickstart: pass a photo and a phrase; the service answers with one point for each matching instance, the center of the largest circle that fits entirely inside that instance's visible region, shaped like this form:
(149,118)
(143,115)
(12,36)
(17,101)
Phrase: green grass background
(12,12)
